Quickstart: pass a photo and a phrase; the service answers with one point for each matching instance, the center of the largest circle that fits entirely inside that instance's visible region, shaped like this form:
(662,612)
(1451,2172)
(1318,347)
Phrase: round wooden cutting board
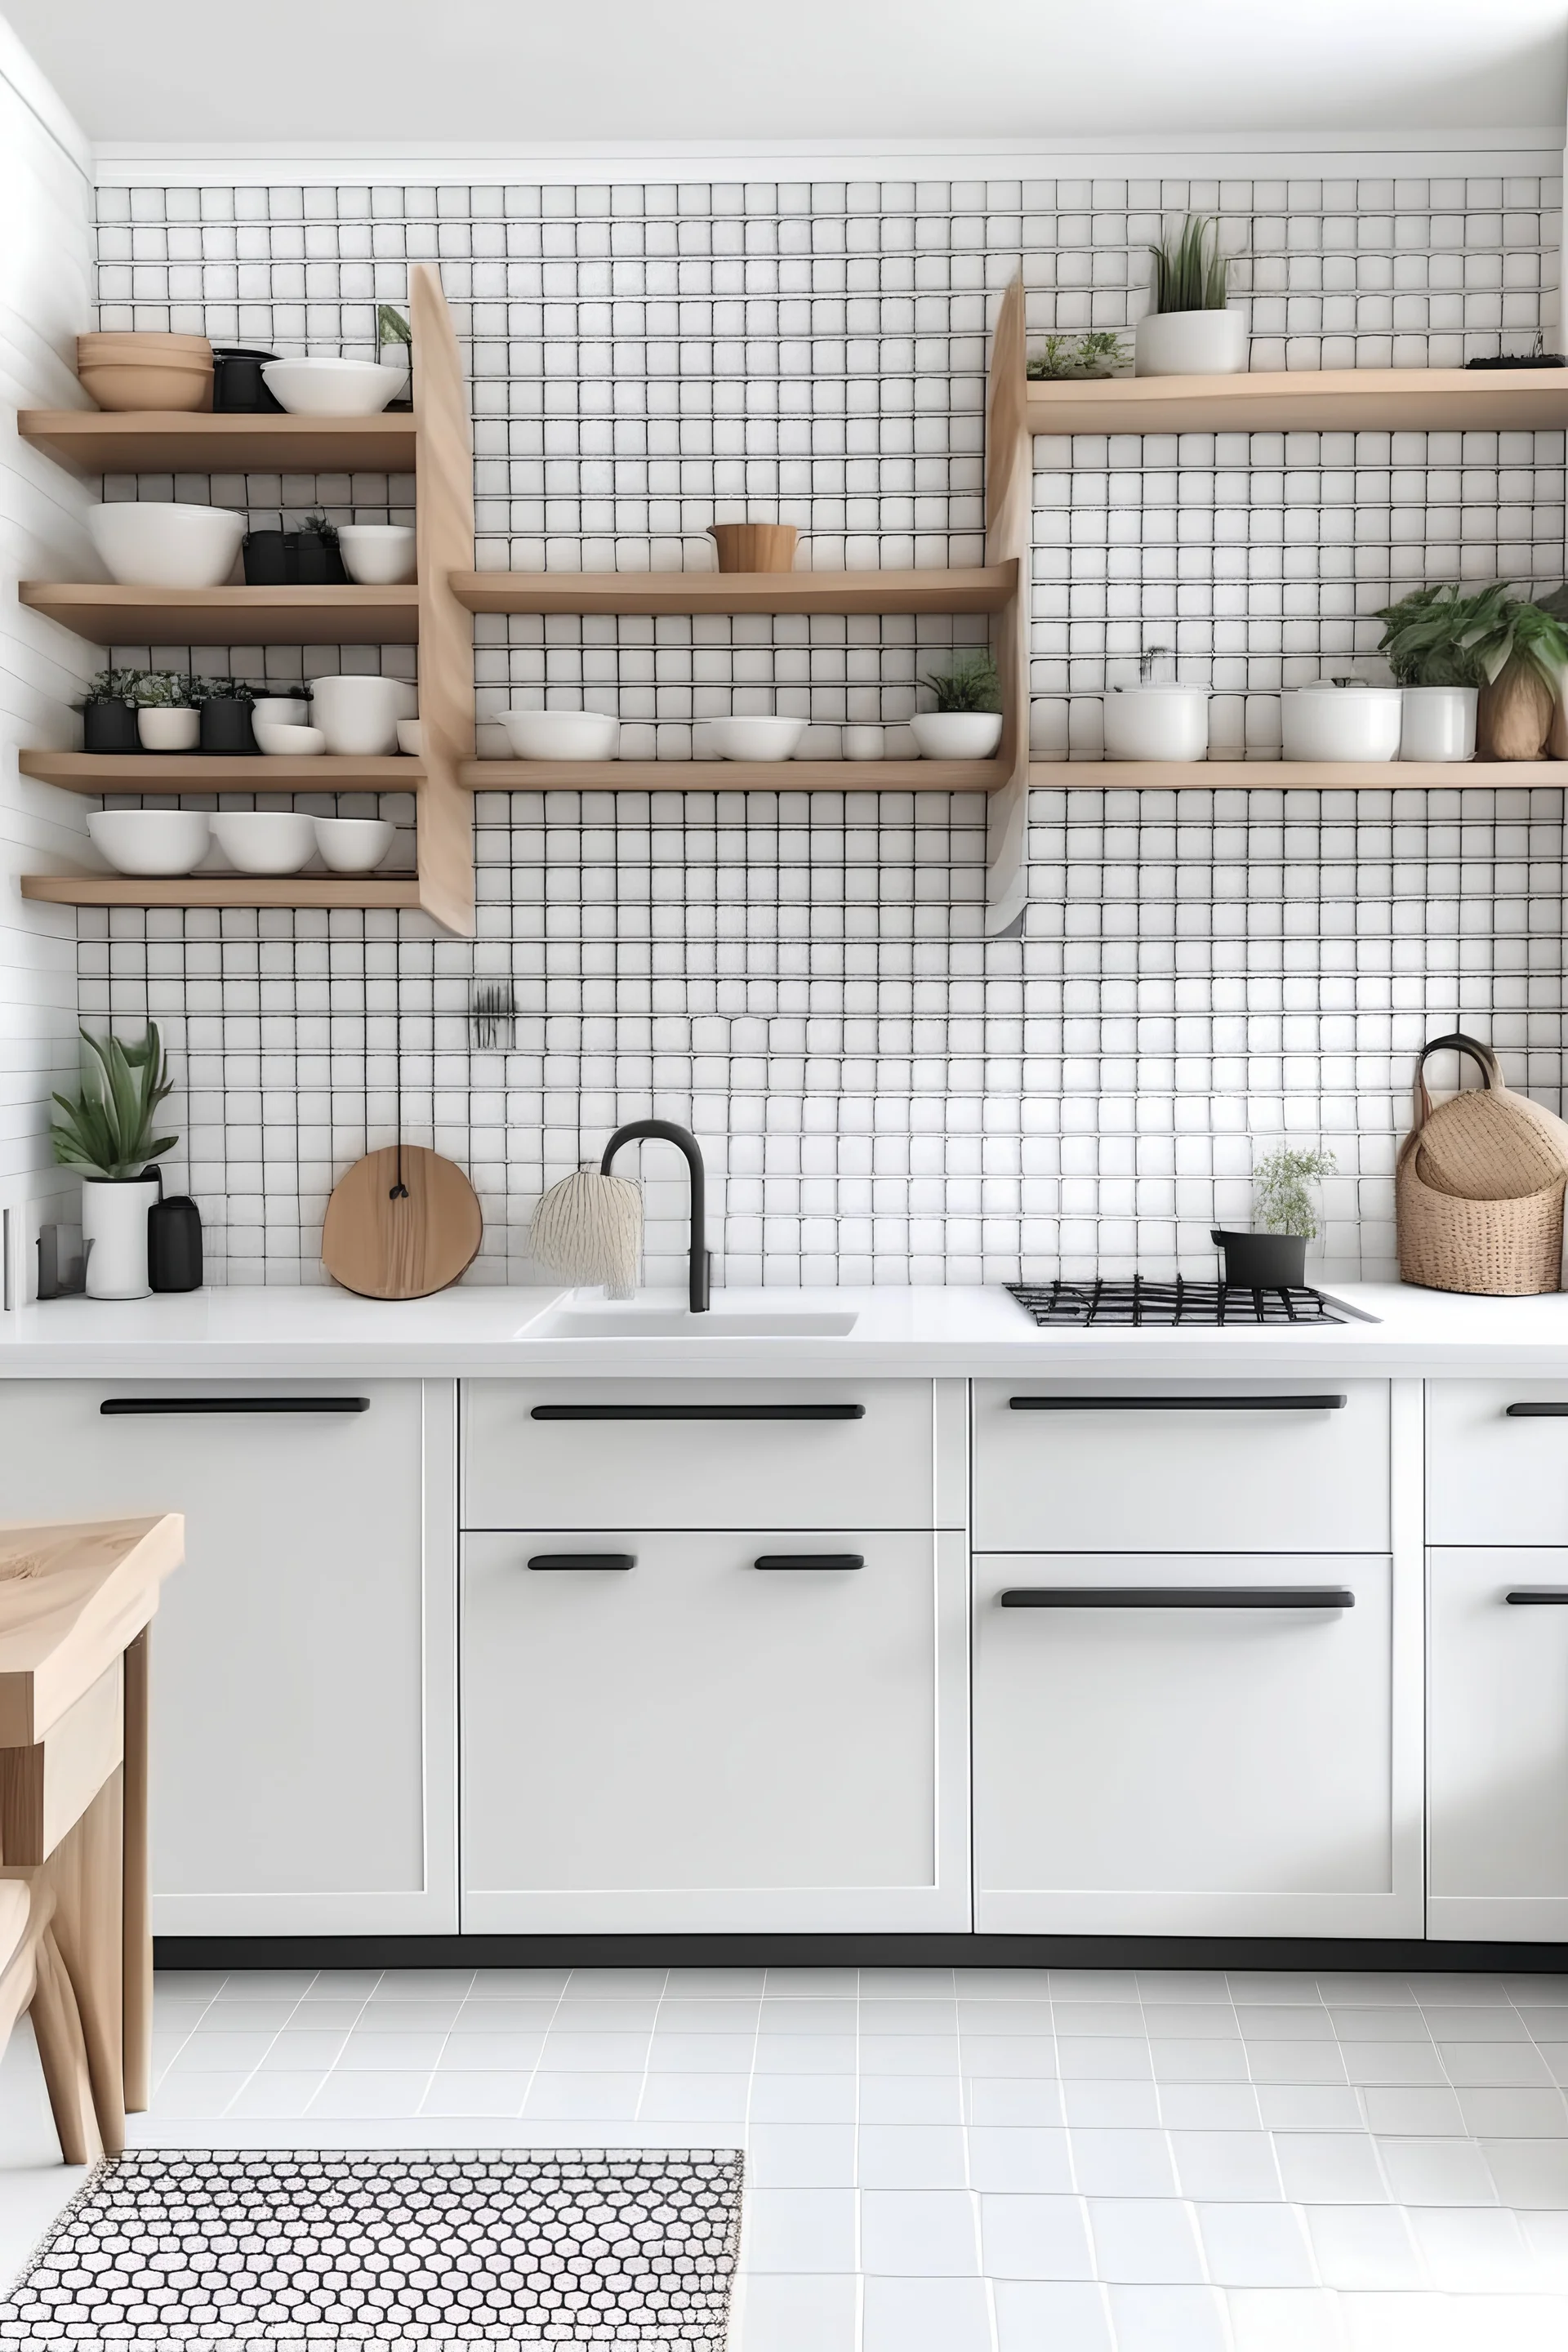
(382,1244)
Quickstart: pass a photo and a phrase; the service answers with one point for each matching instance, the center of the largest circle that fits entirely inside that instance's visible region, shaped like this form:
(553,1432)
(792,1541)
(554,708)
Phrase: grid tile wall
(884,1096)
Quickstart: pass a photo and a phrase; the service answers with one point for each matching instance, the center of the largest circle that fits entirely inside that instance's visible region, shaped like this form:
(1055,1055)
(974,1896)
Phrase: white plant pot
(1157,722)
(169,730)
(1191,342)
(114,1235)
(957,734)
(359,715)
(1438,722)
(1341,722)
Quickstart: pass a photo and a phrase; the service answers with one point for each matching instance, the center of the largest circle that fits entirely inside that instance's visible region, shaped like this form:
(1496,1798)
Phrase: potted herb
(1189,331)
(966,723)
(394,341)
(107,1131)
(269,557)
(1078,359)
(225,705)
(1276,1259)
(1428,639)
(1522,651)
(108,712)
(317,559)
(166,717)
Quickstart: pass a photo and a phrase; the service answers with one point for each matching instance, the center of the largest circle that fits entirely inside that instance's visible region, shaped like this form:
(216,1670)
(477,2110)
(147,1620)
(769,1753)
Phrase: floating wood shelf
(393,891)
(981,588)
(111,615)
(212,772)
(1308,400)
(169,441)
(733,775)
(1292,775)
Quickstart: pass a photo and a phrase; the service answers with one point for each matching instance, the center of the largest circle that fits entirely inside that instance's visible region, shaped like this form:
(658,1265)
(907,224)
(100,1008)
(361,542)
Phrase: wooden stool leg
(138,1900)
(56,2029)
(85,1873)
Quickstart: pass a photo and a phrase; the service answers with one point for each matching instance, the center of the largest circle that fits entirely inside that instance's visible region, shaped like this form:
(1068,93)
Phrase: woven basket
(1479,1187)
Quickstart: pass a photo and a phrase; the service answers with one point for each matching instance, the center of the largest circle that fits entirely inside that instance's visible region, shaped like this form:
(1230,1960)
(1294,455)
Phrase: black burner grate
(1140,1301)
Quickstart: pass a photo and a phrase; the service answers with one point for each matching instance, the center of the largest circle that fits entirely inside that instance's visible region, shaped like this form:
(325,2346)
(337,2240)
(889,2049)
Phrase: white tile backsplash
(884,1096)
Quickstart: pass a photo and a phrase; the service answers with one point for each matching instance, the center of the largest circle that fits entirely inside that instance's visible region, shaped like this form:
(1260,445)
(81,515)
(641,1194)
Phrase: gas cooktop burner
(1140,1301)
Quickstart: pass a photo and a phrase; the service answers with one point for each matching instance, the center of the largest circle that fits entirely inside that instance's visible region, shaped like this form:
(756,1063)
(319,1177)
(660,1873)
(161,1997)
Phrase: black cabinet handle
(1176,1404)
(1179,1596)
(1538,1596)
(810,1560)
(698,1413)
(1535,1412)
(235,1404)
(584,1559)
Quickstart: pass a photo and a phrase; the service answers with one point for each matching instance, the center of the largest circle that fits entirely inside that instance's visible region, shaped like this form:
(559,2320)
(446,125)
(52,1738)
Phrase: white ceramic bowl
(1342,722)
(149,841)
(278,740)
(957,734)
(149,544)
(359,716)
(560,734)
(756,738)
(265,841)
(352,845)
(865,742)
(280,711)
(377,554)
(1157,722)
(329,387)
(409,740)
(165,728)
(1438,722)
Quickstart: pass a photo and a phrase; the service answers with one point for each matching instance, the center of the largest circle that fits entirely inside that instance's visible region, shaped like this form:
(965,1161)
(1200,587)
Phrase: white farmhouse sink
(634,1322)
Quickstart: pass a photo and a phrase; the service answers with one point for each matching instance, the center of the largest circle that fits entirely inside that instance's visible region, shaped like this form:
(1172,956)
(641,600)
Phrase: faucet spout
(664,1131)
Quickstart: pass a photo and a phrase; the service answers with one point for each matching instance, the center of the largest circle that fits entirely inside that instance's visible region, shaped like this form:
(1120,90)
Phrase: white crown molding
(43,102)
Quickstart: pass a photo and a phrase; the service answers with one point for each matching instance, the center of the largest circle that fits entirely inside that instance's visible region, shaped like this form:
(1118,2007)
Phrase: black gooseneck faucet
(664,1131)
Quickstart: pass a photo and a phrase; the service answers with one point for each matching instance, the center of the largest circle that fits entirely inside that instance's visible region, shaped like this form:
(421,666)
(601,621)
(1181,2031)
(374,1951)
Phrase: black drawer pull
(1538,1596)
(1535,1412)
(810,1560)
(584,1559)
(1176,1404)
(235,1404)
(698,1413)
(1179,1596)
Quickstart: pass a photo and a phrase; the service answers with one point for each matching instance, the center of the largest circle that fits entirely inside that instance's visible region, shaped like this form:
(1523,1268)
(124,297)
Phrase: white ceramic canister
(114,1235)
(1341,722)
(1438,723)
(1191,342)
(359,716)
(1157,722)
(168,729)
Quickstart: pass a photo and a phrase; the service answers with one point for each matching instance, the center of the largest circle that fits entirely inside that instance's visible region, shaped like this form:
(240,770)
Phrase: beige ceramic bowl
(137,371)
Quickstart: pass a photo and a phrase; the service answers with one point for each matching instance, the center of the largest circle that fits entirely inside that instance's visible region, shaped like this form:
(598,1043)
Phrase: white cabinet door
(1497,1767)
(1146,1768)
(734,1731)
(303,1733)
(1496,1462)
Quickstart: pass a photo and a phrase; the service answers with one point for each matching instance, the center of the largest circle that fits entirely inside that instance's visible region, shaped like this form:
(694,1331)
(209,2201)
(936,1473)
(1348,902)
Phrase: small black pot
(110,726)
(237,386)
(269,558)
(1263,1260)
(317,562)
(174,1245)
(225,726)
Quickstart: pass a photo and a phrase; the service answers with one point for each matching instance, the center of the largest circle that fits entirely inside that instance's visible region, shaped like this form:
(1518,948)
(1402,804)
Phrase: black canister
(174,1245)
(238,385)
(318,561)
(226,725)
(269,558)
(110,726)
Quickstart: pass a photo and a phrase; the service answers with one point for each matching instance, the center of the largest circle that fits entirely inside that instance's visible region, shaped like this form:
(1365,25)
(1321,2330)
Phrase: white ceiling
(510,75)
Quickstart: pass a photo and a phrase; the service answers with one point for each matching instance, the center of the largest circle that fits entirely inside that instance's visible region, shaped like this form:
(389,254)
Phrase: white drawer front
(1168,1466)
(1497,1476)
(808,1453)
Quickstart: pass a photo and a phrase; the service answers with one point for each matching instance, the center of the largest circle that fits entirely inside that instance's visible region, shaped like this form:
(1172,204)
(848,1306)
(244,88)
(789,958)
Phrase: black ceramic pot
(225,726)
(317,562)
(110,726)
(1262,1261)
(269,558)
(237,386)
(174,1245)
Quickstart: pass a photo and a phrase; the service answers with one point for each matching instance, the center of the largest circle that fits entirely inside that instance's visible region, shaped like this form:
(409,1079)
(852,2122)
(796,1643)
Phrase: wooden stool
(76,1600)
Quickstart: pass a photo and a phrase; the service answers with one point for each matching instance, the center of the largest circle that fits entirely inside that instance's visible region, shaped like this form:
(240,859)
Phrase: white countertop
(315,1333)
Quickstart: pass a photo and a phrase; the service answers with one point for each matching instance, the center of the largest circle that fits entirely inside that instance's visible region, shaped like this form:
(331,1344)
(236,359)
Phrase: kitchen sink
(679,1323)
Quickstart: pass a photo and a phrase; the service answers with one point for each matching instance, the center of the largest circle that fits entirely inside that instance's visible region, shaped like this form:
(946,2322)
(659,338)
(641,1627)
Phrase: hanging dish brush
(492,1015)
(588,1227)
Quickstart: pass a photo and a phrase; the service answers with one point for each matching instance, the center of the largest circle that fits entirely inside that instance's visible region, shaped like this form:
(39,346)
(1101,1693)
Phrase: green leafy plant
(316,526)
(1429,636)
(201,690)
(107,1130)
(1282,1199)
(969,683)
(113,685)
(392,327)
(1190,271)
(1076,357)
(163,689)
(1509,632)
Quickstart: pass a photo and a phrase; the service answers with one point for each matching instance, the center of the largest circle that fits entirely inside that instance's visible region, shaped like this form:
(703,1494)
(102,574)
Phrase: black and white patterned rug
(293,2247)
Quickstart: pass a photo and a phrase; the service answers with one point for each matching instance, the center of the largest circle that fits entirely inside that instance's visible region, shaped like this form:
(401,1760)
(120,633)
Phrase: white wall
(45,299)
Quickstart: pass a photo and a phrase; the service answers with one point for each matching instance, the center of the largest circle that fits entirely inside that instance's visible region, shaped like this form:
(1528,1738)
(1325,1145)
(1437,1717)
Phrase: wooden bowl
(146,370)
(755,546)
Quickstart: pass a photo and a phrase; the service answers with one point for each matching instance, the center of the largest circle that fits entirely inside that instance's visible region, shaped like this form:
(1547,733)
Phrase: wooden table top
(74,1594)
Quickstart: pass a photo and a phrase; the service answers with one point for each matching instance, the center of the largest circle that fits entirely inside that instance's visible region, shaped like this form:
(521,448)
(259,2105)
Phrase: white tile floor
(988,2160)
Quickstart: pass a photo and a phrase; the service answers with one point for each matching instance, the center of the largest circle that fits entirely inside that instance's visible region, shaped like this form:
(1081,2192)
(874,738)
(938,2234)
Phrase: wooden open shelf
(212,772)
(111,615)
(1292,775)
(983,589)
(735,775)
(390,891)
(1327,400)
(171,441)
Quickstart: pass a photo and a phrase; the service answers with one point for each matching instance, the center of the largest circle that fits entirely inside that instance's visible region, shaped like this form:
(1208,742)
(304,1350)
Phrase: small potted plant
(225,706)
(1523,650)
(1276,1257)
(318,558)
(108,712)
(1429,640)
(1189,331)
(166,717)
(966,723)
(394,347)
(269,557)
(1078,359)
(106,1132)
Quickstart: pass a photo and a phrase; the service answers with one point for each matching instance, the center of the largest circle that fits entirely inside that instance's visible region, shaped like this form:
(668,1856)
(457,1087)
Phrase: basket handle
(1456,1041)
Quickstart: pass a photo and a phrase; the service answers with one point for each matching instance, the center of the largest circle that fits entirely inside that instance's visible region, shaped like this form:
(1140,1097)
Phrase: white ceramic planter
(1157,722)
(1191,342)
(957,734)
(1439,723)
(359,716)
(169,731)
(114,1235)
(1342,722)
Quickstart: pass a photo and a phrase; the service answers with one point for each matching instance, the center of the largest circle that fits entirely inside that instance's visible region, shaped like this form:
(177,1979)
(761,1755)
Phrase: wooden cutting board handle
(379,1245)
